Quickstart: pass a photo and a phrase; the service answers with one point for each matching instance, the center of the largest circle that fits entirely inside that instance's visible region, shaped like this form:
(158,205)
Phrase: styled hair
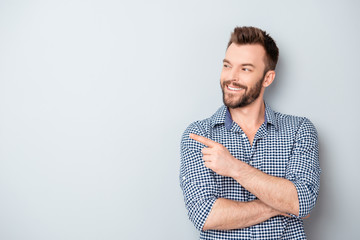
(253,35)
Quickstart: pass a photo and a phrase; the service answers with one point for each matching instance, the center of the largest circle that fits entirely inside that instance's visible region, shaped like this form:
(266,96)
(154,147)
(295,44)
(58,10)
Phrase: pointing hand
(217,157)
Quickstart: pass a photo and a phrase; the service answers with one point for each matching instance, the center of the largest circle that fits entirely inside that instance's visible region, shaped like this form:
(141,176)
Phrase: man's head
(249,65)
(252,35)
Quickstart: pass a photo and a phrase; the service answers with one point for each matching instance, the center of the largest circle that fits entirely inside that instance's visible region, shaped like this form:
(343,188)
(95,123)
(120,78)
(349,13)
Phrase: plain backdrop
(95,95)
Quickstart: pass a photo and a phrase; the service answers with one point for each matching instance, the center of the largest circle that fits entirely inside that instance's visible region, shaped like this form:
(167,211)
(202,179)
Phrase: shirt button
(183,177)
(243,135)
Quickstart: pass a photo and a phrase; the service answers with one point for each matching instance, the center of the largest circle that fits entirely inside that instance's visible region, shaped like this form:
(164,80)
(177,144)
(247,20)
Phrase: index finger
(203,140)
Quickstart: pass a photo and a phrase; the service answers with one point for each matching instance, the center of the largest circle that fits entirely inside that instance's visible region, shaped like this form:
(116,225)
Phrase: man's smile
(234,88)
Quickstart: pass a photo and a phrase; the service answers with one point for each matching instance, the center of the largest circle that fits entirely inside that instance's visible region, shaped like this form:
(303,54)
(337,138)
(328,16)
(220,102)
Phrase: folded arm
(227,214)
(279,193)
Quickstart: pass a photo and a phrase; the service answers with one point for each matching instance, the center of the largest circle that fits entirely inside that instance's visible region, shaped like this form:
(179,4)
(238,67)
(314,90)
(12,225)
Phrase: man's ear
(269,78)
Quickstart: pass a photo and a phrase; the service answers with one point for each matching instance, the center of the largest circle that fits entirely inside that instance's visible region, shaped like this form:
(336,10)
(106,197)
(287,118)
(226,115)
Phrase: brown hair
(253,35)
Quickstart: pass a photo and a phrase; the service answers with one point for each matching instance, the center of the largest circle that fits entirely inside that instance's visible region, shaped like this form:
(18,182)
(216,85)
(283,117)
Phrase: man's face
(242,74)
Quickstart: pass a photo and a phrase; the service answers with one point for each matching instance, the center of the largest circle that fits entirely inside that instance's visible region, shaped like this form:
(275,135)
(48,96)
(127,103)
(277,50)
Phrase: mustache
(234,83)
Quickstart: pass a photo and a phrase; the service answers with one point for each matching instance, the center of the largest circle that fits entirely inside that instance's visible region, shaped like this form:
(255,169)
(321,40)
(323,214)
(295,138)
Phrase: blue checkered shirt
(284,146)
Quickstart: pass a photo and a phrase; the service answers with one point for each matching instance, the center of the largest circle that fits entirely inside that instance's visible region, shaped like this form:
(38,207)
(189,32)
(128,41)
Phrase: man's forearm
(278,193)
(228,214)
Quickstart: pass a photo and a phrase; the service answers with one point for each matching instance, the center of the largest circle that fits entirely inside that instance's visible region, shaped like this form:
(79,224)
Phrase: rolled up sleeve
(196,181)
(303,169)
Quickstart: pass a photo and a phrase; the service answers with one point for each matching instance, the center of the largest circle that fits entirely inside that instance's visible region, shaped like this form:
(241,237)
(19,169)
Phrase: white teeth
(235,89)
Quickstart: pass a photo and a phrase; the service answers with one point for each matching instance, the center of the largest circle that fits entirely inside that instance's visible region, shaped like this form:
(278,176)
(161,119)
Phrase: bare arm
(279,193)
(227,214)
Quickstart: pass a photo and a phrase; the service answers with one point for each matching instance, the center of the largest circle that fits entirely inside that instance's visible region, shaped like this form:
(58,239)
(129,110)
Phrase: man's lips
(234,88)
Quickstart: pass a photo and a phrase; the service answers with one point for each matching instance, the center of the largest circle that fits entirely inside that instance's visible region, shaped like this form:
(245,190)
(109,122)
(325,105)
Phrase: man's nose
(234,74)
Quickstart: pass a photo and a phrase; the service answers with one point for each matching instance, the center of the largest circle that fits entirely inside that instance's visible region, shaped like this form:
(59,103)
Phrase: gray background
(94,97)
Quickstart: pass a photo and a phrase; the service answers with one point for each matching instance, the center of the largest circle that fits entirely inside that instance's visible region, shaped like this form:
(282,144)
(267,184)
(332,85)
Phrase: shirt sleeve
(196,181)
(303,169)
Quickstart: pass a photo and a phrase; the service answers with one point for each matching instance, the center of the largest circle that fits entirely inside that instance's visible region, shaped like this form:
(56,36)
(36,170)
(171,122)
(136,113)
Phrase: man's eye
(226,66)
(246,69)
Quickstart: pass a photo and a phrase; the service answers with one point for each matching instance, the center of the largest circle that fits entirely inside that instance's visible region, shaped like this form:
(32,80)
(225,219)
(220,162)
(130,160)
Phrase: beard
(235,100)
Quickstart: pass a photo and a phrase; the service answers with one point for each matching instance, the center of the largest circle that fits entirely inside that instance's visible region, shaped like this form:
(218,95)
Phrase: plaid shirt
(284,146)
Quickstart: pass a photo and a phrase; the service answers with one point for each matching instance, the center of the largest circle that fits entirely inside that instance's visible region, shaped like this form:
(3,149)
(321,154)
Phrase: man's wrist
(236,170)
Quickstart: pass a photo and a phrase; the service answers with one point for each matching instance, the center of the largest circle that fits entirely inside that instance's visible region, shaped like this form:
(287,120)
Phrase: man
(249,172)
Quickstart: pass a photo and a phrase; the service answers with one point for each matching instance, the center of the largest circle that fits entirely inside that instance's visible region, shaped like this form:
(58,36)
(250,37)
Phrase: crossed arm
(277,196)
(228,214)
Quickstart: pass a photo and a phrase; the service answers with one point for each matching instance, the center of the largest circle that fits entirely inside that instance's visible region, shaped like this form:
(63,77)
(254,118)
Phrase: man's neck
(250,116)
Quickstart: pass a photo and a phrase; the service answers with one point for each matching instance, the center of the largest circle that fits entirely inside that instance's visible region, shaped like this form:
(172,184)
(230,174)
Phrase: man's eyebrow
(244,64)
(226,61)
(248,64)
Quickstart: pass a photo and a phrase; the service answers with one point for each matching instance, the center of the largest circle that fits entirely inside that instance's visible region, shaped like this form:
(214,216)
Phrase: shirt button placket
(247,146)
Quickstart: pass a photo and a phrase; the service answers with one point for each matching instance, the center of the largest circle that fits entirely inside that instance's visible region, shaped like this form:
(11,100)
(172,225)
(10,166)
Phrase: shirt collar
(219,116)
(223,116)
(270,117)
